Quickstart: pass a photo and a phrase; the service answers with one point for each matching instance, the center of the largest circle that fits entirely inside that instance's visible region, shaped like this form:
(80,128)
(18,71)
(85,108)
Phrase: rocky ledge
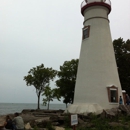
(59,120)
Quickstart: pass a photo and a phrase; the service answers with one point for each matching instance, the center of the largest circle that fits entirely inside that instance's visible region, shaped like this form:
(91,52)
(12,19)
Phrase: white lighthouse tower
(97,84)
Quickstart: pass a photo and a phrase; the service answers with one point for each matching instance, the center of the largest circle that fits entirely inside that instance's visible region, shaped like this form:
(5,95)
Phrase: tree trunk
(48,105)
(38,106)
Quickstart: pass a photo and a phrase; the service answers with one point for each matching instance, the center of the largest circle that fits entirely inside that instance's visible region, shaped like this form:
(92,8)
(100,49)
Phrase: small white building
(97,84)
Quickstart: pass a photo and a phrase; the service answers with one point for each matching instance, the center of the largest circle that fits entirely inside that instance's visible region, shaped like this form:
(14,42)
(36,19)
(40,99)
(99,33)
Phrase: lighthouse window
(112,94)
(86,32)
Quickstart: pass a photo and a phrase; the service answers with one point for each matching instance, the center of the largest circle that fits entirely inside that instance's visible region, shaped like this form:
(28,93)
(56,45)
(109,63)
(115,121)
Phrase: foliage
(67,79)
(39,77)
(95,122)
(122,54)
(67,120)
(35,128)
(49,126)
(56,94)
(49,94)
(99,123)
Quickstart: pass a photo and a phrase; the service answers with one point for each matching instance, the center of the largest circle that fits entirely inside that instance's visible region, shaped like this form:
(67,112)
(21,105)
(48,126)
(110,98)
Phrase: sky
(33,32)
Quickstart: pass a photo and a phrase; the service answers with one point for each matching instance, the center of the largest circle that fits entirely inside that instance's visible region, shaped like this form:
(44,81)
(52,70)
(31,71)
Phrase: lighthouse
(97,84)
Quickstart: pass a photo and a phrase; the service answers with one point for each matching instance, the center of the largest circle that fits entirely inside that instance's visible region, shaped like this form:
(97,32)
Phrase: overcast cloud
(41,31)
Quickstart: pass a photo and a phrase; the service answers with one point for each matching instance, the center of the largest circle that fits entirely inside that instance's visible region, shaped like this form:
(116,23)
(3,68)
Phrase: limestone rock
(114,124)
(2,121)
(108,113)
(59,128)
(125,109)
(80,121)
(28,126)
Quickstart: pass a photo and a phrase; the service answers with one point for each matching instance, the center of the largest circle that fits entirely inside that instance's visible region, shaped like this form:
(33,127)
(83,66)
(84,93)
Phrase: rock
(128,107)
(108,113)
(44,124)
(41,111)
(116,111)
(28,126)
(42,119)
(54,118)
(33,123)
(27,111)
(55,123)
(59,119)
(59,128)
(115,124)
(2,120)
(80,121)
(85,118)
(125,109)
(28,117)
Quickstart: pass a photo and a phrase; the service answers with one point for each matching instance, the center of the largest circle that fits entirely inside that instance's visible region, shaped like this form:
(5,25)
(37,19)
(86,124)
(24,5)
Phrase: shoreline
(34,115)
(110,118)
(9,108)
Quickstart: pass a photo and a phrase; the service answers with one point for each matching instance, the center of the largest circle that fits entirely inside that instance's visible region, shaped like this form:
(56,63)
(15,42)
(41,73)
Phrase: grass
(94,122)
(99,123)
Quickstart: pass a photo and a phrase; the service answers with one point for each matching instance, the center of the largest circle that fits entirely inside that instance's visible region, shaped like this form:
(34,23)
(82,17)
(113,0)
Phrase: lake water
(7,108)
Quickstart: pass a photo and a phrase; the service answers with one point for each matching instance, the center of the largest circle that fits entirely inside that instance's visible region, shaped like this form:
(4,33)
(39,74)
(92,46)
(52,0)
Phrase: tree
(39,77)
(122,55)
(50,94)
(67,79)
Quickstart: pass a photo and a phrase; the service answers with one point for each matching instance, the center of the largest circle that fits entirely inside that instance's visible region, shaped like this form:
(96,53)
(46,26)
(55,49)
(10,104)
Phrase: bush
(67,120)
(49,126)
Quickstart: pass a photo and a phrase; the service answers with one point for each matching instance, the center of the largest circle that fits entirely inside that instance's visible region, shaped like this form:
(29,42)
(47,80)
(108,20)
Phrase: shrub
(49,126)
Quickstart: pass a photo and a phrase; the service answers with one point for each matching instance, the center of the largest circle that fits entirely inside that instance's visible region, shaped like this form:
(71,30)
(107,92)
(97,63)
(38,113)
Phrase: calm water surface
(7,108)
